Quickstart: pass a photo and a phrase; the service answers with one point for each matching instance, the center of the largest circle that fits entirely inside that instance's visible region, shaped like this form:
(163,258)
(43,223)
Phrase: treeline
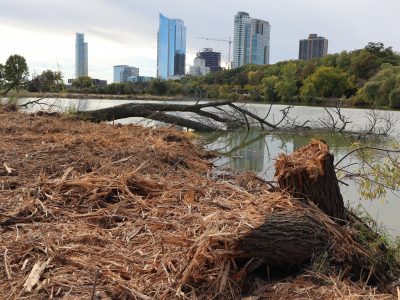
(369,76)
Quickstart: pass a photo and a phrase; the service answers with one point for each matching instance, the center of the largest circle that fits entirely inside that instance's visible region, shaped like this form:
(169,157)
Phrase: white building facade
(251,44)
(199,67)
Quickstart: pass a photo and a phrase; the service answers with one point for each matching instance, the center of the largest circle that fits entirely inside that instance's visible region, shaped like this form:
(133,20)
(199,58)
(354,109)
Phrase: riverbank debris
(126,212)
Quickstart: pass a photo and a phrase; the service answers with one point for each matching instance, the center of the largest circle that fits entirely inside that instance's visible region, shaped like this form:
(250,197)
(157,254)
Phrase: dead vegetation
(95,211)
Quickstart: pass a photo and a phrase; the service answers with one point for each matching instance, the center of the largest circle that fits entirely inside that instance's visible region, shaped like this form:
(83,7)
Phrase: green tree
(364,65)
(306,70)
(384,55)
(255,77)
(377,90)
(174,87)
(158,87)
(269,84)
(241,79)
(15,72)
(394,98)
(308,91)
(48,81)
(1,75)
(329,82)
(286,88)
(330,60)
(83,82)
(344,60)
(371,92)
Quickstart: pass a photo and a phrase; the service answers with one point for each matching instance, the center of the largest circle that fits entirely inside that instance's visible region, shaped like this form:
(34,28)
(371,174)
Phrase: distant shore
(321,102)
(102,96)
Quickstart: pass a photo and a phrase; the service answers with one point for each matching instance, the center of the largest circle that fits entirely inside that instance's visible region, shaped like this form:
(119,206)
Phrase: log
(286,238)
(309,175)
(119,113)
(227,114)
(157,112)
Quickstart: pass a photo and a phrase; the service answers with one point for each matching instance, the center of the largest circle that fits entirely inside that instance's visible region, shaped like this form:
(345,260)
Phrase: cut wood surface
(309,174)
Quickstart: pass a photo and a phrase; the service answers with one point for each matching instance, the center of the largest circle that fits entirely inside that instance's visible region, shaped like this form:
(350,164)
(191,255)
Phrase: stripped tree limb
(225,112)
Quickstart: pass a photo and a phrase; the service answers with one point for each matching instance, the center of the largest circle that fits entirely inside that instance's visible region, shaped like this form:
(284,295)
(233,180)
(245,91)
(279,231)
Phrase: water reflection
(256,150)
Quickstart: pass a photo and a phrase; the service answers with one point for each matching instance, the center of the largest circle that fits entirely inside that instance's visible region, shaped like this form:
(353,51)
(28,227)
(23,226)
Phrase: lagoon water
(256,150)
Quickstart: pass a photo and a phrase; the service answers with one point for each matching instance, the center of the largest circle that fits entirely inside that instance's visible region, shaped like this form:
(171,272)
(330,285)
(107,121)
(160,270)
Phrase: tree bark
(120,112)
(309,174)
(14,84)
(286,238)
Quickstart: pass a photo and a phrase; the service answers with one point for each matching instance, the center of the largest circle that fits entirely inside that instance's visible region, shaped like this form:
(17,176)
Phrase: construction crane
(229,41)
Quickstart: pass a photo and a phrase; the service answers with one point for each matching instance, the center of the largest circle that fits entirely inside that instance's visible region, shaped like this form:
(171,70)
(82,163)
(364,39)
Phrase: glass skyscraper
(171,48)
(251,44)
(81,56)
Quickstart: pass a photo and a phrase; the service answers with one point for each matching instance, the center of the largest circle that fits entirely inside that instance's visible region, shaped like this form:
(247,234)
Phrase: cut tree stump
(309,175)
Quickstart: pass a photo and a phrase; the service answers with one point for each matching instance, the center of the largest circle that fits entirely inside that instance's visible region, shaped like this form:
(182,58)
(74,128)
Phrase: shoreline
(147,97)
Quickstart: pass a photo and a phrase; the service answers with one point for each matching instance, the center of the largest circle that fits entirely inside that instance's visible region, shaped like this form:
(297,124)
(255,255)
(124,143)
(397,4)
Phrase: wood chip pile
(96,211)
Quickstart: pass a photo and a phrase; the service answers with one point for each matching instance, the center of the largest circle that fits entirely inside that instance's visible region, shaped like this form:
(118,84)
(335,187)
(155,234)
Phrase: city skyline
(125,32)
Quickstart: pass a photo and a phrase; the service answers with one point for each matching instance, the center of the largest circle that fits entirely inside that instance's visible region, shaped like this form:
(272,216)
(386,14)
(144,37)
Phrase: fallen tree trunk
(286,238)
(226,114)
(158,112)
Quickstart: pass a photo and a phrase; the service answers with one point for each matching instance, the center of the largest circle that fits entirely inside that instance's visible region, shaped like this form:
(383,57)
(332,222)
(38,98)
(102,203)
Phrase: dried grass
(123,212)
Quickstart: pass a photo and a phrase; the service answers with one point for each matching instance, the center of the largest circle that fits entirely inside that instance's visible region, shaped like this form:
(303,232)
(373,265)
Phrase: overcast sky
(125,31)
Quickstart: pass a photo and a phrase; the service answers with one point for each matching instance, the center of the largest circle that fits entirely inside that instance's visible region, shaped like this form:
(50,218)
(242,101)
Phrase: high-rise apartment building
(171,48)
(313,47)
(251,43)
(212,59)
(199,67)
(122,73)
(81,56)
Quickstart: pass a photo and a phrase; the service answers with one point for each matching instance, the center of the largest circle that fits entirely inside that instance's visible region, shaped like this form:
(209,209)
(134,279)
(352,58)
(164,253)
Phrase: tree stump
(309,175)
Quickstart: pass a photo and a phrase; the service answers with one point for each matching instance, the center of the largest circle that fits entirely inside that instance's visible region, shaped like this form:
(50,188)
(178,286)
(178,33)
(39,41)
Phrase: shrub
(394,98)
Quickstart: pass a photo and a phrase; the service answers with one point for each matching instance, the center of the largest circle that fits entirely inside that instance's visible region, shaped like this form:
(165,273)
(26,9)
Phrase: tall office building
(313,47)
(251,43)
(212,59)
(81,56)
(122,73)
(171,48)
